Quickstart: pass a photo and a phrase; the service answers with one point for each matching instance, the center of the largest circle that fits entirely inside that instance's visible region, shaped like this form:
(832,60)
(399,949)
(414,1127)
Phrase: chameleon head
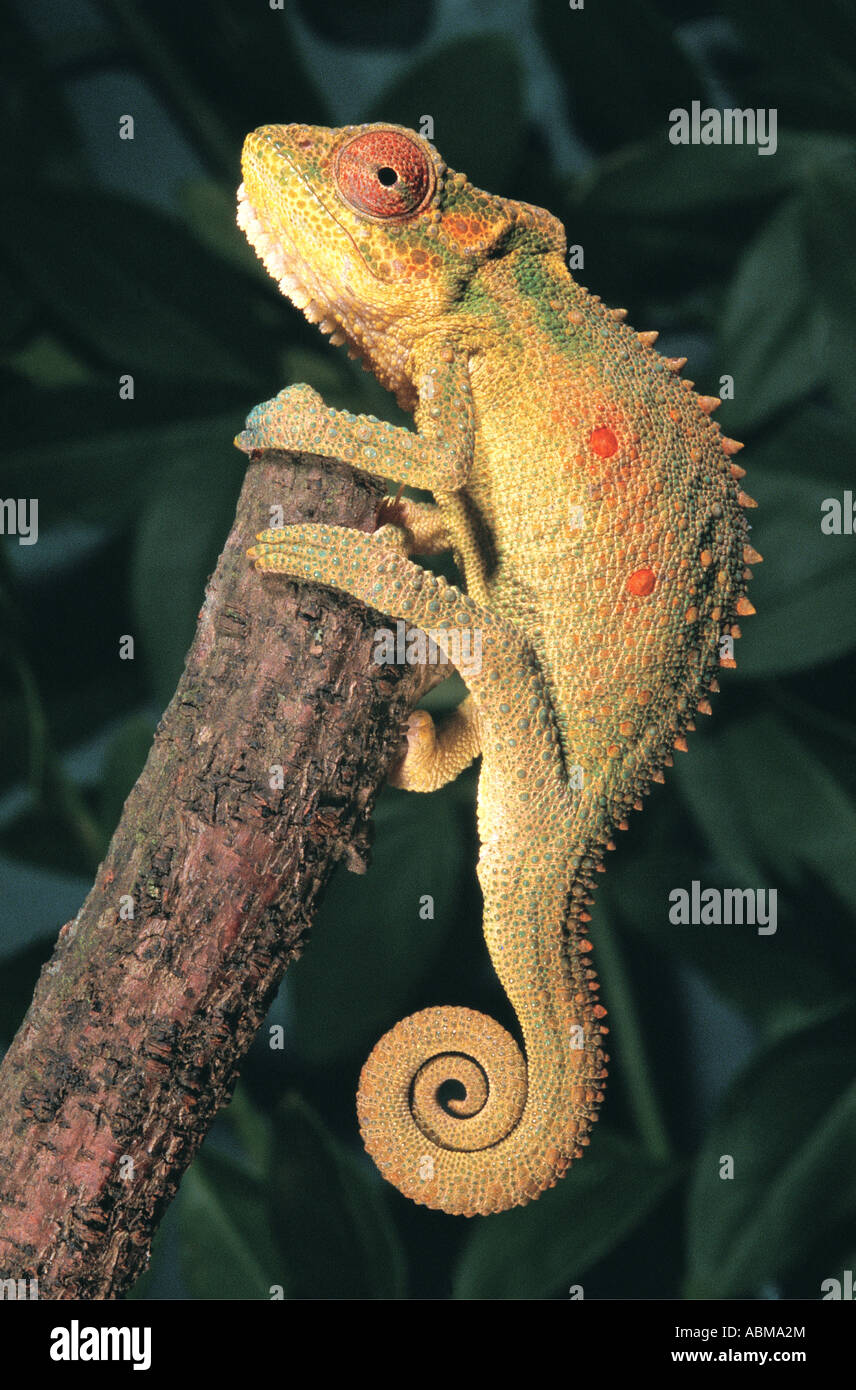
(372,237)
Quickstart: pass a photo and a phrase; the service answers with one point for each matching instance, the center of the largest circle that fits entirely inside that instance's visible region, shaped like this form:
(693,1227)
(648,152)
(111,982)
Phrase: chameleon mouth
(295,279)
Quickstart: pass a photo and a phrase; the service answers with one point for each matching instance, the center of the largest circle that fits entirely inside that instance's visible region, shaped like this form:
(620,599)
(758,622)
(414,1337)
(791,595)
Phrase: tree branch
(139,1022)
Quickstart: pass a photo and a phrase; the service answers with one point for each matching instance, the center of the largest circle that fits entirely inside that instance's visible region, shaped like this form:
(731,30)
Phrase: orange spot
(603,442)
(641,583)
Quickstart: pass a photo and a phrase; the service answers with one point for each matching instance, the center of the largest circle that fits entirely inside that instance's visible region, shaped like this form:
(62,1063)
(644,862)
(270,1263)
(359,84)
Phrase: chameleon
(596,515)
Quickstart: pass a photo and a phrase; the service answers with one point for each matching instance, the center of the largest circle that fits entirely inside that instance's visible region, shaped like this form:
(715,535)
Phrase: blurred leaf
(370,23)
(329,1215)
(40,133)
(135,286)
(659,178)
(769,806)
(533,1251)
(39,837)
(789,1124)
(370,948)
(89,456)
(775,980)
(822,442)
(472,89)
(33,906)
(622,67)
(20,974)
(75,710)
(224,1230)
(329,376)
(829,213)
(241,68)
(806,57)
(125,760)
(181,533)
(16,310)
(771,333)
(208,208)
(805,590)
(251,1127)
(47,362)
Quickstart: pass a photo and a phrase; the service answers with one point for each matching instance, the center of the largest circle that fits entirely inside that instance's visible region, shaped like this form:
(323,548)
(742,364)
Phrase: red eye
(384,174)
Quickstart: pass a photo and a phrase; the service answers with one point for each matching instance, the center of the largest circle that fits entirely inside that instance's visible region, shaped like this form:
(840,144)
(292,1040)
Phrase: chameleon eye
(384,174)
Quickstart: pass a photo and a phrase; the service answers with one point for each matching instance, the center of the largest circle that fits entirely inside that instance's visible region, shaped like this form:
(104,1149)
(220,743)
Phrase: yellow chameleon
(595,511)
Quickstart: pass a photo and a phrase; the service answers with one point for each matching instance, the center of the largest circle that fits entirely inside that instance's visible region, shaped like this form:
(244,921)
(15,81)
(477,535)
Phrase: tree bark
(155,990)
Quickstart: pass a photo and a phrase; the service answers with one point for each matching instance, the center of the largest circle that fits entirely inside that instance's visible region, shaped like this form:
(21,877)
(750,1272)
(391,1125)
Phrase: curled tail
(519,1123)
(450,1111)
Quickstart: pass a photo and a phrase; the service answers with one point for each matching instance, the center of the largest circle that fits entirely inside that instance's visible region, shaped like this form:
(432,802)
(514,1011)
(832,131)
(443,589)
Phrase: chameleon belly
(594,508)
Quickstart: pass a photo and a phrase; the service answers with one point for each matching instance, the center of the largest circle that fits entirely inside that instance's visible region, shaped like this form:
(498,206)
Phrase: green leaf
(789,1124)
(208,209)
(473,90)
(142,294)
(33,906)
(180,536)
(768,806)
(533,1251)
(805,590)
(45,361)
(224,1232)
(251,1128)
(20,975)
(89,456)
(329,1215)
(774,980)
(239,69)
(125,760)
(655,177)
(40,838)
(822,441)
(622,67)
(772,332)
(829,216)
(805,58)
(370,948)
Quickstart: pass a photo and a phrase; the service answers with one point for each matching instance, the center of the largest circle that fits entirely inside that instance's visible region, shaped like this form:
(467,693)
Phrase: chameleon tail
(519,1123)
(449,1109)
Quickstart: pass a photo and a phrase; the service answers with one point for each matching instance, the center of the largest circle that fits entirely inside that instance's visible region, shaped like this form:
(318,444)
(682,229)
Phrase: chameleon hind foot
(437,753)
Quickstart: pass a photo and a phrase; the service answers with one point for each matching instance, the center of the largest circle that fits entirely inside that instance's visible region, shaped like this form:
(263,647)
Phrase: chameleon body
(596,514)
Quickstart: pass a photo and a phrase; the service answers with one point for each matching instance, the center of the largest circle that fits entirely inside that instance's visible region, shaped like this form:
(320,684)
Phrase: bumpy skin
(593,508)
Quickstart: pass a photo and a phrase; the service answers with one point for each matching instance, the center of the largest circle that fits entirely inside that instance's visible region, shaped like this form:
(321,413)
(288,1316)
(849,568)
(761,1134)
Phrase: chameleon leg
(520,1122)
(436,753)
(423,523)
(437,458)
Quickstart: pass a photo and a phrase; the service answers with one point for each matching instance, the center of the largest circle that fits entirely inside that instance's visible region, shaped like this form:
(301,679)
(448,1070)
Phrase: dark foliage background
(122,256)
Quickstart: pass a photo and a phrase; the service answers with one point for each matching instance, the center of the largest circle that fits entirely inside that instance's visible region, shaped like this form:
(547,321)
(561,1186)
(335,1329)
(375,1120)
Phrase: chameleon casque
(596,514)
